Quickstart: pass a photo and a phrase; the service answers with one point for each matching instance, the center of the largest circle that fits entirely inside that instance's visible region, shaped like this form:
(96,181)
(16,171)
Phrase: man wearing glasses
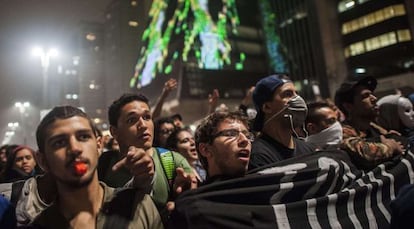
(223,142)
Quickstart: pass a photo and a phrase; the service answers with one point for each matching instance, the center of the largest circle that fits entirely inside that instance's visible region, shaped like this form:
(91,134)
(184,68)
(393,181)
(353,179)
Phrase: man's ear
(41,161)
(204,150)
(266,108)
(99,144)
(114,131)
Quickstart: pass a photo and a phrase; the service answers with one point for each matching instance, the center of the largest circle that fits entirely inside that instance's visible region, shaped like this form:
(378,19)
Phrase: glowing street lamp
(45,62)
(23,106)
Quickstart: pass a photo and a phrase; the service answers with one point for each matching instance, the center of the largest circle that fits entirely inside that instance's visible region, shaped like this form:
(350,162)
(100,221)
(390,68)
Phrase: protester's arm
(139,164)
(170,85)
(246,101)
(370,151)
(213,101)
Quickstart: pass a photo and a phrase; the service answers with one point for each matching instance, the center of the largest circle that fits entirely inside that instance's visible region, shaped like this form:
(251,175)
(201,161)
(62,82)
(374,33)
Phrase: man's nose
(75,146)
(141,123)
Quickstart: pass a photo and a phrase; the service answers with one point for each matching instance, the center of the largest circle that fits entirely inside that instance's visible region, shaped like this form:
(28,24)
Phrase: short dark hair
(172,140)
(208,128)
(114,110)
(346,91)
(313,116)
(59,112)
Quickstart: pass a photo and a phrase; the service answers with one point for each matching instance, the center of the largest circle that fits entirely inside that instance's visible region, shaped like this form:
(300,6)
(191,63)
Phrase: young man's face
(281,96)
(67,142)
(229,155)
(365,103)
(328,117)
(134,126)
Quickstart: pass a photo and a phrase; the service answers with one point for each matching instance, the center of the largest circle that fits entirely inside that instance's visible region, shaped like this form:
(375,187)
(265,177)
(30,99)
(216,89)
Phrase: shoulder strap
(16,191)
(168,165)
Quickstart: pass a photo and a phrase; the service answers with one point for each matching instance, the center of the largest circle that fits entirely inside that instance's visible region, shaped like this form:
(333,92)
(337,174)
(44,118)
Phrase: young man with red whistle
(69,151)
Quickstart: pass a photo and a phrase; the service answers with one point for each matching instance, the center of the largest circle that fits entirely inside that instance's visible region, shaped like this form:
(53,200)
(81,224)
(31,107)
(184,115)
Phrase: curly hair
(208,128)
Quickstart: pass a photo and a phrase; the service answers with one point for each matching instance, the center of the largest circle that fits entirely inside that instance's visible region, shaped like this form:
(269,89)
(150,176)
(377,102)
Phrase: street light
(22,106)
(45,62)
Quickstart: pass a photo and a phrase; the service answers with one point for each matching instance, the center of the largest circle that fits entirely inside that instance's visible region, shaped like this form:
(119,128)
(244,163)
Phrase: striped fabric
(322,190)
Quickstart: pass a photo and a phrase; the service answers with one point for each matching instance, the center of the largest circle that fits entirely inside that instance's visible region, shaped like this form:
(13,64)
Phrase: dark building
(306,30)
(324,42)
(124,24)
(377,40)
(91,80)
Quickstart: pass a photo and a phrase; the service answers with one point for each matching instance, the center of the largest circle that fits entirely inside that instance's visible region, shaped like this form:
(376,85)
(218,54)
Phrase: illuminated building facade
(378,40)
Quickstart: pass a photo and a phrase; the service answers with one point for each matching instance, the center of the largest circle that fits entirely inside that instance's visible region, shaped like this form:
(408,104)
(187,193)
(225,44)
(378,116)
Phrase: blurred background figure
(182,141)
(396,113)
(163,127)
(178,121)
(3,157)
(112,145)
(21,164)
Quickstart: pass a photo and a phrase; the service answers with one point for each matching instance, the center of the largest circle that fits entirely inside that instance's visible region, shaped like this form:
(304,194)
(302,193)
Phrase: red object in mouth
(80,168)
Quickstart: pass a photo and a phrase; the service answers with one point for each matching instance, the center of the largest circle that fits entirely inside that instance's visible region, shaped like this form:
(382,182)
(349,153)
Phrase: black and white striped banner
(321,190)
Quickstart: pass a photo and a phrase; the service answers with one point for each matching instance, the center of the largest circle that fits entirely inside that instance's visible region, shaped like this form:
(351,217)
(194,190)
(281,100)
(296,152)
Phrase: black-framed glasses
(235,134)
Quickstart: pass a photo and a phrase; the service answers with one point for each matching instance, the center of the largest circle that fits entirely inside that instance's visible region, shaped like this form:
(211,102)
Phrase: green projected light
(272,38)
(191,23)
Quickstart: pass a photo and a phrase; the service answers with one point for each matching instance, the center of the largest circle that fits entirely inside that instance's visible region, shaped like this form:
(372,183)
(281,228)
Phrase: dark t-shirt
(266,150)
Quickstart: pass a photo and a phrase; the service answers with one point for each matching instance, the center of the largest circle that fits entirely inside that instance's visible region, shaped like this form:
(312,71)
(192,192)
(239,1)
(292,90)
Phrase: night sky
(25,23)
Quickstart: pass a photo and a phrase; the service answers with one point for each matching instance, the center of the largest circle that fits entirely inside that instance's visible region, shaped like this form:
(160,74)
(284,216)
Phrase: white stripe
(392,179)
(410,169)
(284,188)
(311,213)
(350,208)
(380,204)
(320,179)
(282,220)
(332,216)
(368,209)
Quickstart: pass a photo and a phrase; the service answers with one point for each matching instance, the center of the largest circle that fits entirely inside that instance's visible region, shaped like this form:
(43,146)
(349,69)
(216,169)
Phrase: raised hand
(139,164)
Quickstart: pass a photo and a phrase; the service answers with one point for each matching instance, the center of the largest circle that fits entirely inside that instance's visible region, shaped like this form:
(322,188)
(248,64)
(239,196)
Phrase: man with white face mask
(279,111)
(396,113)
(324,130)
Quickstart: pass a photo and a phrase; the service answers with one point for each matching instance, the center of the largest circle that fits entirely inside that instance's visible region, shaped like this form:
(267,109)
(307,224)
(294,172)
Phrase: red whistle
(80,168)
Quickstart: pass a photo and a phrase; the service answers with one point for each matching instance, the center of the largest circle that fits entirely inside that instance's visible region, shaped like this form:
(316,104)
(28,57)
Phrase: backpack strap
(168,165)
(17,187)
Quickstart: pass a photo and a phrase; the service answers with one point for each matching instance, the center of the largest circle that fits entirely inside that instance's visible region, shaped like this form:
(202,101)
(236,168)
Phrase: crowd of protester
(77,178)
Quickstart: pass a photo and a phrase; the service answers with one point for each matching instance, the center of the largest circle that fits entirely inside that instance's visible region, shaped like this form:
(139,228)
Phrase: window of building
(403,35)
(373,18)
(345,5)
(387,39)
(133,23)
(373,43)
(379,16)
(399,10)
(354,25)
(357,48)
(377,42)
(90,36)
